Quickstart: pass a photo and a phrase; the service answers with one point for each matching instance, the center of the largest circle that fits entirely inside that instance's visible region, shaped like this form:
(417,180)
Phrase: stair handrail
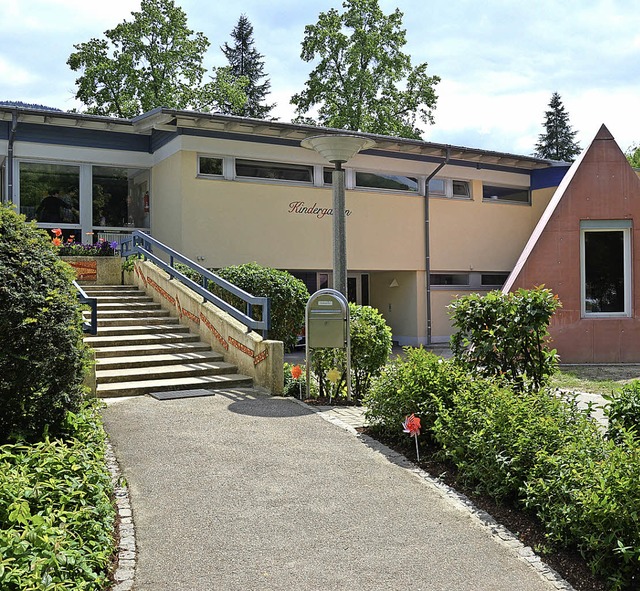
(90,327)
(143,244)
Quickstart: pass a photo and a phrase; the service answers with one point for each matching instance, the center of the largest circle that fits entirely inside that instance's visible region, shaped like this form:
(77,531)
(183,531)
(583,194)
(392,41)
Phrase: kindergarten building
(425,222)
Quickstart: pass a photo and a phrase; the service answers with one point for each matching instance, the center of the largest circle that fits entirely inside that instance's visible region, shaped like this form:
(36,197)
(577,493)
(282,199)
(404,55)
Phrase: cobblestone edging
(126,564)
(458,500)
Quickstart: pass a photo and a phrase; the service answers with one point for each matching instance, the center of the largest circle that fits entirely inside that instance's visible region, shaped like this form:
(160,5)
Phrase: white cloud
(14,75)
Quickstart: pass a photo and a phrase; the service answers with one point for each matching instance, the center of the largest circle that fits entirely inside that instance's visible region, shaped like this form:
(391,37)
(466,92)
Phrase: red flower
(412,425)
(296,372)
(57,242)
(57,232)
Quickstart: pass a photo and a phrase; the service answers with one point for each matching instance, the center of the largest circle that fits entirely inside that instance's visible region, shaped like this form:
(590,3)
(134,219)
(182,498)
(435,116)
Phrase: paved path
(241,491)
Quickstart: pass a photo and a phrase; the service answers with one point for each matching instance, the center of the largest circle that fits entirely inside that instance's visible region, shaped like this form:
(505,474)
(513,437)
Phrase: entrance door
(357,286)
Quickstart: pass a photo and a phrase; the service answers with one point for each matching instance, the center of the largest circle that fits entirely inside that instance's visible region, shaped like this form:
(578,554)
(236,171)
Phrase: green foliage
(246,63)
(421,383)
(633,155)
(505,335)
(623,410)
(494,435)
(363,81)
(297,387)
(42,354)
(154,60)
(557,143)
(587,493)
(371,345)
(56,514)
(288,297)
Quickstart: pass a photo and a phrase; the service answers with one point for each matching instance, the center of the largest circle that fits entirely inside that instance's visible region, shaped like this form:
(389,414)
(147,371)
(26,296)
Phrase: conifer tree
(557,142)
(244,60)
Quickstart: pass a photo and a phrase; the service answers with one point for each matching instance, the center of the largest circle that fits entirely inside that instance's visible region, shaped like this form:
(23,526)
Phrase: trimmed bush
(422,383)
(288,297)
(623,410)
(505,335)
(42,354)
(371,345)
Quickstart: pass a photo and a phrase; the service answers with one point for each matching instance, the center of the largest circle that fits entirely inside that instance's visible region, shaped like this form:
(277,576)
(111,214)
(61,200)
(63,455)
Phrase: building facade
(425,221)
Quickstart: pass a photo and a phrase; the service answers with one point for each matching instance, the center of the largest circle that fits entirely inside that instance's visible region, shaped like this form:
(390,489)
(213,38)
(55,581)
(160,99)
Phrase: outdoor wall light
(338,149)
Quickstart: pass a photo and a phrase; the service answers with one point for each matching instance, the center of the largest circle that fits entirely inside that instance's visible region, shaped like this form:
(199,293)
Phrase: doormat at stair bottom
(173,394)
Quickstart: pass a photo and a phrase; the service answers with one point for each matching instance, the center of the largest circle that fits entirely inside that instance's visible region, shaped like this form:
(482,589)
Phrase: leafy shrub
(288,297)
(623,410)
(421,383)
(494,435)
(42,355)
(56,514)
(371,346)
(505,335)
(296,386)
(587,493)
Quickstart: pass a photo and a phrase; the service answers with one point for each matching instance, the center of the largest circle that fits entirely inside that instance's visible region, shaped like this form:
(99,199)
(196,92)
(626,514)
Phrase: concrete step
(143,329)
(175,348)
(148,361)
(124,300)
(127,307)
(99,342)
(128,313)
(98,291)
(118,320)
(135,388)
(188,370)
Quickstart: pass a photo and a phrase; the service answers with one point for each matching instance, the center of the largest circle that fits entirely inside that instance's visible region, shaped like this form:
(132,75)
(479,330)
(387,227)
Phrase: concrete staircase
(140,348)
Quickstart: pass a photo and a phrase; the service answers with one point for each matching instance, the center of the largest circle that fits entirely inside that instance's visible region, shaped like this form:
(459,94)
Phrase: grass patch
(595,379)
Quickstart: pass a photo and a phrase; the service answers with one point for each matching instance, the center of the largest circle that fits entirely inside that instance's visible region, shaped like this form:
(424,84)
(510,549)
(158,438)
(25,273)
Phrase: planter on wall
(96,270)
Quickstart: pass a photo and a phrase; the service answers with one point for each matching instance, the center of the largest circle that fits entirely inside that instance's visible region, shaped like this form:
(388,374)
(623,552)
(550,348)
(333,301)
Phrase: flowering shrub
(71,248)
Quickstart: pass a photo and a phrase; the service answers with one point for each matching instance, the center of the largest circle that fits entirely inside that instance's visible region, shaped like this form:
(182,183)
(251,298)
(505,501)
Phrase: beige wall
(481,236)
(404,306)
(168,201)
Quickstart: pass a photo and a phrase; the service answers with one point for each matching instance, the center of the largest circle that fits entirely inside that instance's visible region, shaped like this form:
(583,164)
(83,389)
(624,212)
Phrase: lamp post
(338,149)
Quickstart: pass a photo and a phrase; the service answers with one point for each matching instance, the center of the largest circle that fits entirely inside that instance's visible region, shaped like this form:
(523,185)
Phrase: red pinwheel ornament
(411,425)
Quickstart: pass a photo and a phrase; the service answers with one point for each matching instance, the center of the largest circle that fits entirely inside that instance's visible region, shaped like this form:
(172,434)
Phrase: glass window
(120,197)
(437,186)
(494,279)
(274,170)
(386,181)
(461,189)
(452,189)
(328,176)
(511,194)
(449,278)
(606,270)
(210,166)
(50,192)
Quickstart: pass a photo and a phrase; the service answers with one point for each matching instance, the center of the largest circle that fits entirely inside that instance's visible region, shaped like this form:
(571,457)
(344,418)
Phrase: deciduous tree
(245,61)
(633,155)
(154,60)
(557,142)
(364,81)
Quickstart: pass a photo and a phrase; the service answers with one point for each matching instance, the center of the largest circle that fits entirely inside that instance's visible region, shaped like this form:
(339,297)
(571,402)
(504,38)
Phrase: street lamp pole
(338,149)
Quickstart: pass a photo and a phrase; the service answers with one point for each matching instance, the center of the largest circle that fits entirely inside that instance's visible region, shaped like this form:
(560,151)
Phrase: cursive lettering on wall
(319,212)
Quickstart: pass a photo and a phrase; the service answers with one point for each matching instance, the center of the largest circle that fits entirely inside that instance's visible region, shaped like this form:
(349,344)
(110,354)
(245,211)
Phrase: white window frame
(448,189)
(625,227)
(508,201)
(207,175)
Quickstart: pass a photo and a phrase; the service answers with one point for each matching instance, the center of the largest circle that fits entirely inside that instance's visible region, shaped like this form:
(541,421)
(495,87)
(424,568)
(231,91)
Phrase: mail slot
(326,321)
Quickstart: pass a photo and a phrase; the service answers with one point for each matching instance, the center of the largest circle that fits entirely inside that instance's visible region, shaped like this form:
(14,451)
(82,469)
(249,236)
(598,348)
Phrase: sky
(499,60)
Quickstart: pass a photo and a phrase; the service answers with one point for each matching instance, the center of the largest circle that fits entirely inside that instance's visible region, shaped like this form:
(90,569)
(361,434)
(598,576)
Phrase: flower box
(96,270)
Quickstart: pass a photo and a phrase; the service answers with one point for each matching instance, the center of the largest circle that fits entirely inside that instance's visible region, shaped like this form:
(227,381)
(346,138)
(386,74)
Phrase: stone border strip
(126,560)
(458,500)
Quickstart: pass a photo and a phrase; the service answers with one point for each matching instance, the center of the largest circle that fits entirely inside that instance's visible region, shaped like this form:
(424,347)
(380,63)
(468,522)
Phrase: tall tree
(363,81)
(245,61)
(154,60)
(633,155)
(557,142)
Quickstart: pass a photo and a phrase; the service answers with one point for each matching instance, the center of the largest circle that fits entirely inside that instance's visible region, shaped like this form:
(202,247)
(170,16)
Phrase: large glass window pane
(449,279)
(50,192)
(120,197)
(496,193)
(386,181)
(274,170)
(604,272)
(210,166)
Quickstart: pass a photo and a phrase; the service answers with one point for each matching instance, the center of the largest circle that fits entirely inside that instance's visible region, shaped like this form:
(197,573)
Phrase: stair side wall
(261,359)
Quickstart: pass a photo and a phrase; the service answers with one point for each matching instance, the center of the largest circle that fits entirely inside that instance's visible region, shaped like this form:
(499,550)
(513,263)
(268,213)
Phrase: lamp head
(338,148)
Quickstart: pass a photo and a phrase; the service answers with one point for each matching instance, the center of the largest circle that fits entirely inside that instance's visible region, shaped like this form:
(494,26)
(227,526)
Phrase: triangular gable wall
(600,185)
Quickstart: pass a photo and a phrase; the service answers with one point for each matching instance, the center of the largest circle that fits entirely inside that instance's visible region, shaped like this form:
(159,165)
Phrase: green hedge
(56,512)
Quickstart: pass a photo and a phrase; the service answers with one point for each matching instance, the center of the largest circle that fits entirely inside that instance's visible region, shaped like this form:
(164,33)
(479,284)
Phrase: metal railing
(144,245)
(90,327)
